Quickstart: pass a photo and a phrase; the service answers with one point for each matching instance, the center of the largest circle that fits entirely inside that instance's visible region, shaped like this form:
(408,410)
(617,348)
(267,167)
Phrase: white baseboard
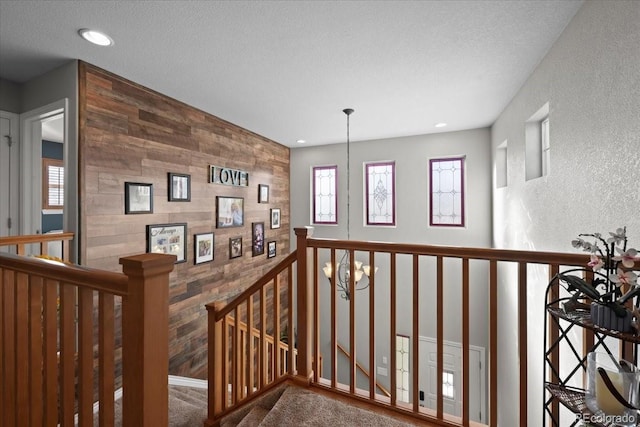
(187,382)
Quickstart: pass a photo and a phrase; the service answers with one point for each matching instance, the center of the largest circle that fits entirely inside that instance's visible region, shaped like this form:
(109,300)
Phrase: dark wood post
(145,340)
(304,309)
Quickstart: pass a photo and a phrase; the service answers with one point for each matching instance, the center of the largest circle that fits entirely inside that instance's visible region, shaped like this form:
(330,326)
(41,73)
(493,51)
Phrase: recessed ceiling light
(301,141)
(440,125)
(95,37)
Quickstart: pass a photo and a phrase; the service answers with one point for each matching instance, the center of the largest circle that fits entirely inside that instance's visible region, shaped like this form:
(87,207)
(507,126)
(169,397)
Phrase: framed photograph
(275,218)
(235,247)
(229,212)
(138,198)
(263,193)
(168,239)
(179,187)
(203,248)
(271,249)
(257,238)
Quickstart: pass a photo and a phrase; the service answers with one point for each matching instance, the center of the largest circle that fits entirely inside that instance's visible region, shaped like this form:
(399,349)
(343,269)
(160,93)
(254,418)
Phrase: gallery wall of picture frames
(172,238)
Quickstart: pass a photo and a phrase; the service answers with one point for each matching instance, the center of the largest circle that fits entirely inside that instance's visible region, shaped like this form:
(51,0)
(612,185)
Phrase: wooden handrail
(364,371)
(488,254)
(99,280)
(255,287)
(34,238)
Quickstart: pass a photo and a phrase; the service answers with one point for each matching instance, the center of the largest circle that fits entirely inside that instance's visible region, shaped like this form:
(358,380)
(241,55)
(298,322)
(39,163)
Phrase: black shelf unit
(571,397)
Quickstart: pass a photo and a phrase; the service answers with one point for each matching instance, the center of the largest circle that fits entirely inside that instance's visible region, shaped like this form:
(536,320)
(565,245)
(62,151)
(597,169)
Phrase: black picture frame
(229,212)
(203,248)
(235,247)
(179,187)
(263,193)
(138,198)
(271,249)
(257,238)
(168,239)
(275,218)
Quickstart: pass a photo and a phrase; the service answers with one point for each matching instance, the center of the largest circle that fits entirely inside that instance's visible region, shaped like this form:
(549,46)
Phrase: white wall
(411,155)
(591,79)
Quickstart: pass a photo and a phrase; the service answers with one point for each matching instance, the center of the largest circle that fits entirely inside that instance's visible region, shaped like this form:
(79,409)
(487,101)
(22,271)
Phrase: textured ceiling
(286,69)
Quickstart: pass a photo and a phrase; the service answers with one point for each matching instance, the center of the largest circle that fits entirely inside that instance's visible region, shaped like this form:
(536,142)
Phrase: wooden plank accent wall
(129,133)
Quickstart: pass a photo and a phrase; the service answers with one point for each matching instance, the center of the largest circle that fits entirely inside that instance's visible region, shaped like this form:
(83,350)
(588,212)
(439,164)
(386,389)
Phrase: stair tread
(254,417)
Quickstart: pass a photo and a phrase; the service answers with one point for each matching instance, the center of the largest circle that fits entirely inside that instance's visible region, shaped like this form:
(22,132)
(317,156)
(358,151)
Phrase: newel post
(217,392)
(304,308)
(145,340)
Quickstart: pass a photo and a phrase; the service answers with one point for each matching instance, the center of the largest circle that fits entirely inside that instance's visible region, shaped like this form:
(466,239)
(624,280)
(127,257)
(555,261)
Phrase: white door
(452,378)
(9,175)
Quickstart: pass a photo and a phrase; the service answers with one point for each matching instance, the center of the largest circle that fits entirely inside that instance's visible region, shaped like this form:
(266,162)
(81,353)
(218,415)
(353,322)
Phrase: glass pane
(380,203)
(325,195)
(446,198)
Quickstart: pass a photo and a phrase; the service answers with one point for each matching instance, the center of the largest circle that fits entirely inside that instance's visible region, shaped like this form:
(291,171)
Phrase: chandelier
(343,267)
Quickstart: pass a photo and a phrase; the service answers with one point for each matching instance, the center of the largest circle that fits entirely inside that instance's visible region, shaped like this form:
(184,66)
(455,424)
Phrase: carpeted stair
(296,406)
(284,406)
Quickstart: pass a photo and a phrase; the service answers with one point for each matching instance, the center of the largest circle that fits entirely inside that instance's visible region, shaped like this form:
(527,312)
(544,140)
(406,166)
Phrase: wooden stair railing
(364,370)
(436,268)
(242,363)
(47,346)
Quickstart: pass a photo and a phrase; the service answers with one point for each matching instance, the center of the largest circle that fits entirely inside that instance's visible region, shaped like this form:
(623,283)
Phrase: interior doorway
(45,122)
(9,175)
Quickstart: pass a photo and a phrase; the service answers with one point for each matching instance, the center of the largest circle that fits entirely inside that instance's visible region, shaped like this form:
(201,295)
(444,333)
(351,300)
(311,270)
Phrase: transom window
(325,195)
(446,192)
(380,193)
(52,183)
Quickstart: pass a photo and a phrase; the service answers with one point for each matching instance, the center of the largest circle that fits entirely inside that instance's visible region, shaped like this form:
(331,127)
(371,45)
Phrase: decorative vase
(605,317)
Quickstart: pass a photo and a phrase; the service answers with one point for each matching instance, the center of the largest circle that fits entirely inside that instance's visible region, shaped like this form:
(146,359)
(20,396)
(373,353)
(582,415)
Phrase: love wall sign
(228,176)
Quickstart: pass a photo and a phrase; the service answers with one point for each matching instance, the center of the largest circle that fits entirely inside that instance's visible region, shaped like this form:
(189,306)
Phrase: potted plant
(612,282)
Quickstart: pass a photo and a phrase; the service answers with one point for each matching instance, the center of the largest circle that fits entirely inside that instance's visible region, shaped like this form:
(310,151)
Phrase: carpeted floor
(285,406)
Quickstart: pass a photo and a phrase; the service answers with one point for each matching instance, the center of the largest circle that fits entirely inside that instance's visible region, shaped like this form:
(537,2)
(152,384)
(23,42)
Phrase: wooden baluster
(439,334)
(276,329)
(22,346)
(250,349)
(226,360)
(237,368)
(317,364)
(263,367)
(415,334)
(352,323)
(372,329)
(68,352)
(493,343)
(392,330)
(334,323)
(8,357)
(85,357)
(466,317)
(291,359)
(522,339)
(50,342)
(106,356)
(36,405)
